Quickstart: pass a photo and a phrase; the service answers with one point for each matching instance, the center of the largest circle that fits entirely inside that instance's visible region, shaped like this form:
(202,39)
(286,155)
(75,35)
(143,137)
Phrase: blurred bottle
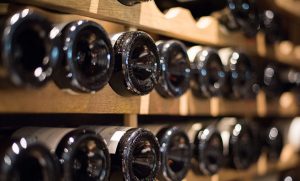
(23,160)
(198,8)
(208,73)
(271,25)
(241,79)
(131,2)
(207,147)
(279,78)
(238,141)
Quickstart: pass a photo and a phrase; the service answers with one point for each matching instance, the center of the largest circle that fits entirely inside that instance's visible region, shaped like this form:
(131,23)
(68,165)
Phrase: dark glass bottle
(245,12)
(24,160)
(134,152)
(175,152)
(137,64)
(27,51)
(240,75)
(131,2)
(175,72)
(272,142)
(87,61)
(238,141)
(207,147)
(82,153)
(279,78)
(208,73)
(198,8)
(271,25)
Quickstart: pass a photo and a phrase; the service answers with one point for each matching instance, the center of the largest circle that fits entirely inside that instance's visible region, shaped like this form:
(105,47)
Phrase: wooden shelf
(51,99)
(285,105)
(290,6)
(146,16)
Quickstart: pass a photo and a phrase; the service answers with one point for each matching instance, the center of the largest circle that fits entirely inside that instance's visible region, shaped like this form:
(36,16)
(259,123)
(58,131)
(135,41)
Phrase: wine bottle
(208,73)
(137,64)
(238,141)
(28,54)
(279,78)
(240,76)
(272,142)
(134,152)
(271,25)
(198,8)
(174,79)
(131,2)
(175,151)
(207,147)
(87,61)
(23,160)
(82,153)
(245,12)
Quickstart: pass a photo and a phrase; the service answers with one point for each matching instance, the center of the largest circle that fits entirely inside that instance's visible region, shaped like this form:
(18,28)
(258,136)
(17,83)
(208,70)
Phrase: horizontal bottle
(246,14)
(272,141)
(208,73)
(23,159)
(87,60)
(207,147)
(279,78)
(82,153)
(238,141)
(241,80)
(28,53)
(134,152)
(175,151)
(174,79)
(271,25)
(198,8)
(137,64)
(131,2)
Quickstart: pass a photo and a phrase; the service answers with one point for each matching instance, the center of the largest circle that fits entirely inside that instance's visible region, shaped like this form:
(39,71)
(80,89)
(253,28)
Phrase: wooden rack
(146,16)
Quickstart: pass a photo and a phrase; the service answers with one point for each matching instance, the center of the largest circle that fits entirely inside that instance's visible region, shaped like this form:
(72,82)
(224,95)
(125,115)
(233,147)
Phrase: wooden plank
(198,106)
(290,6)
(285,105)
(223,107)
(131,120)
(160,105)
(50,99)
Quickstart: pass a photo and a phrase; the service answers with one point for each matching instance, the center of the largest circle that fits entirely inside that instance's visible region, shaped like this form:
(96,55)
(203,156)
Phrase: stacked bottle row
(81,57)
(245,15)
(163,152)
